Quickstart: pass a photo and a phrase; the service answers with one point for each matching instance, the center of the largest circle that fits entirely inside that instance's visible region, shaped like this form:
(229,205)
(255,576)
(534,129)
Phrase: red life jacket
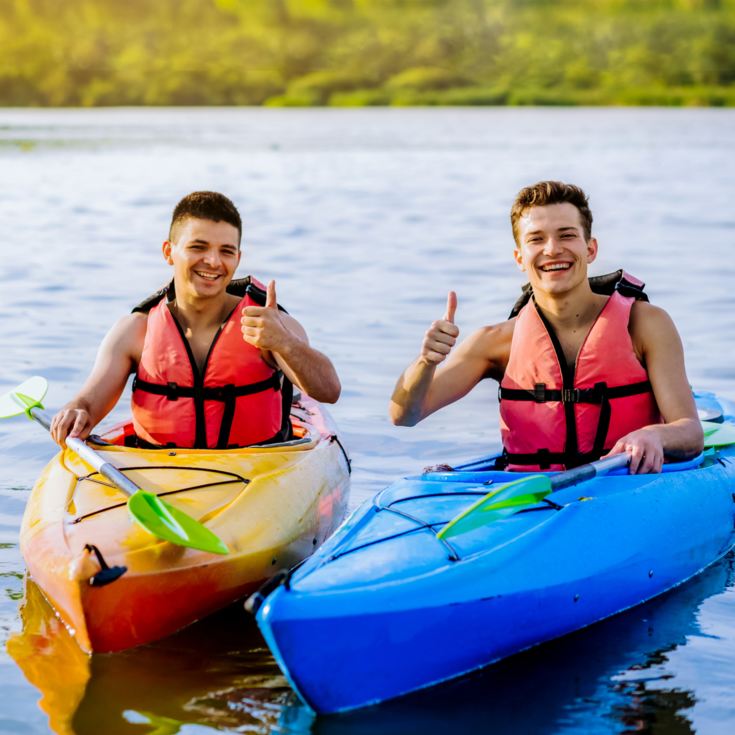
(553,415)
(238,401)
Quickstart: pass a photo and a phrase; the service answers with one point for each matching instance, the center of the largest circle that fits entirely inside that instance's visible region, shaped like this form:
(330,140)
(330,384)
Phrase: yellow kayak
(272,506)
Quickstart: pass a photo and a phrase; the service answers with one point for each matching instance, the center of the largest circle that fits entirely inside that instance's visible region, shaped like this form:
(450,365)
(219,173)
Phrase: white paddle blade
(11,405)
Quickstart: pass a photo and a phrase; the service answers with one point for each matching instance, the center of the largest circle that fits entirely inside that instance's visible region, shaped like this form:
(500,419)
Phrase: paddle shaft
(588,471)
(83,450)
(154,515)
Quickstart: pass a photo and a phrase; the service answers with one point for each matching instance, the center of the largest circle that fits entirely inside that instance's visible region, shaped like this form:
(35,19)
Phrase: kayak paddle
(511,496)
(159,518)
(718,435)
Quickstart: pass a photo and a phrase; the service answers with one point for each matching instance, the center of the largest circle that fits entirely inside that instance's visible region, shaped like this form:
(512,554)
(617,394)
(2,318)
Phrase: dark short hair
(551,192)
(209,205)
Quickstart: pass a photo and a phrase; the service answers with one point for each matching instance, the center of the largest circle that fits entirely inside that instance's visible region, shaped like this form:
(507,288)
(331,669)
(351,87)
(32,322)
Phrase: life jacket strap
(227,394)
(598,394)
(224,393)
(544,459)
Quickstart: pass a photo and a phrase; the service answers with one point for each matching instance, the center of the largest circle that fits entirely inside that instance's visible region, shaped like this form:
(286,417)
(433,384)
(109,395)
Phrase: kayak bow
(271,506)
(388,606)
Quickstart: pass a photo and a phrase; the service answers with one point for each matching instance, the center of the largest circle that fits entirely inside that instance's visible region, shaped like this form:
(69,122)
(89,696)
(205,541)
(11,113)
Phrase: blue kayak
(385,607)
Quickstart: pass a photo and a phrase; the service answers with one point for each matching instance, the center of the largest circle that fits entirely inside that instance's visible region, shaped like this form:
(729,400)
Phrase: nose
(551,246)
(212,257)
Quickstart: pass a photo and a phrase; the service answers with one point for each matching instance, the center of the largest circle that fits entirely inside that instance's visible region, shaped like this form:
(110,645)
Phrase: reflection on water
(189,677)
(217,673)
(365,218)
(43,650)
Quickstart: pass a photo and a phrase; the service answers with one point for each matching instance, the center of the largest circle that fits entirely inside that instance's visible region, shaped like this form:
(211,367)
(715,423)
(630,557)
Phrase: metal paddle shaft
(157,517)
(91,457)
(508,499)
(588,471)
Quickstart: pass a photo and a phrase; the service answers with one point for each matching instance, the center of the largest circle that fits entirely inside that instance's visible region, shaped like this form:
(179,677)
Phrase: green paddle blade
(28,394)
(165,521)
(718,435)
(499,503)
(153,514)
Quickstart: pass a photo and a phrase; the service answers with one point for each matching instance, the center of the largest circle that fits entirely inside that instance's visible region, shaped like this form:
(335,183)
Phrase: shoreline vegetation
(356,53)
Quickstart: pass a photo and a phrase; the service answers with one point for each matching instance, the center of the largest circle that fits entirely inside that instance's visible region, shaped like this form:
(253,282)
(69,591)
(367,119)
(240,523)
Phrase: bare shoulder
(491,344)
(652,331)
(493,335)
(131,326)
(648,319)
(127,335)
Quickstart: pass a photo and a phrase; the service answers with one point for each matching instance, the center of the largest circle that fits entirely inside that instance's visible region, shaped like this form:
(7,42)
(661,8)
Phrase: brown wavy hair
(551,192)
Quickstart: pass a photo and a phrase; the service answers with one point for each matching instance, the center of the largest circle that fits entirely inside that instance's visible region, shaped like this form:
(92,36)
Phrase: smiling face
(205,255)
(552,248)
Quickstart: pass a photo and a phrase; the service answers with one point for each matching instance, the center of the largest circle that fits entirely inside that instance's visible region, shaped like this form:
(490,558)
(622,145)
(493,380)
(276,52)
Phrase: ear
(518,257)
(166,249)
(591,249)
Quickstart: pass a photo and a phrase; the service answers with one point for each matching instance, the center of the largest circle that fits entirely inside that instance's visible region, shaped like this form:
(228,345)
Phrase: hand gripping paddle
(512,496)
(159,518)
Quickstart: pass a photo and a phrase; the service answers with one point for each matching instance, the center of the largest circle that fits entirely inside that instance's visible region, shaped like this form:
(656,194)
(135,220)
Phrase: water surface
(365,218)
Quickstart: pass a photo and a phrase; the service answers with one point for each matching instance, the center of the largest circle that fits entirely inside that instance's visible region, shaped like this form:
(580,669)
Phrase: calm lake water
(365,218)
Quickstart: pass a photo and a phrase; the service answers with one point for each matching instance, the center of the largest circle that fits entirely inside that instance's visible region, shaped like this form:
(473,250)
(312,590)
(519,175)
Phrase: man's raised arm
(281,336)
(422,388)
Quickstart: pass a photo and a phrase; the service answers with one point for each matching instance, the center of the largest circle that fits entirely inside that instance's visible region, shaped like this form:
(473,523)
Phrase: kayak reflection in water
(214,358)
(586,366)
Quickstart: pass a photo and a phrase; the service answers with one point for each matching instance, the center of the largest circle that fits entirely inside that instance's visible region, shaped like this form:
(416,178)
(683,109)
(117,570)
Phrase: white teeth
(208,276)
(556,267)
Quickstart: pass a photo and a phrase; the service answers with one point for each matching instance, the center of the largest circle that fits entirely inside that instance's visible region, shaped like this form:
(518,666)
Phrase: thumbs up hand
(270,296)
(442,335)
(263,327)
(451,307)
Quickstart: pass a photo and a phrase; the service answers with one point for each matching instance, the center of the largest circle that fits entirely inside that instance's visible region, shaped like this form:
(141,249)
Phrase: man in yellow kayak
(213,358)
(585,366)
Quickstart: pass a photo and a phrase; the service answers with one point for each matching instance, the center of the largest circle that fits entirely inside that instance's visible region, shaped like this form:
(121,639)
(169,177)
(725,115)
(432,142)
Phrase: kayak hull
(386,608)
(272,506)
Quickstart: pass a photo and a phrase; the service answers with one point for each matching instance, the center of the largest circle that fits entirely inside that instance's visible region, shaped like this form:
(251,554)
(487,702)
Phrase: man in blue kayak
(586,367)
(213,358)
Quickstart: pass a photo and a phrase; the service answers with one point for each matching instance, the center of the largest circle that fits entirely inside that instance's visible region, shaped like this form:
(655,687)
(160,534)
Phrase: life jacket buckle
(539,392)
(570,395)
(173,391)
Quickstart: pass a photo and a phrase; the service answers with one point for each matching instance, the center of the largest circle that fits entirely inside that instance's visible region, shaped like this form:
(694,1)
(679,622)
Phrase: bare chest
(200,345)
(570,345)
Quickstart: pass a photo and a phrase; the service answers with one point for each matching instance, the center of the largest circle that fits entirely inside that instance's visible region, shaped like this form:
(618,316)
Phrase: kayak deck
(386,607)
(272,506)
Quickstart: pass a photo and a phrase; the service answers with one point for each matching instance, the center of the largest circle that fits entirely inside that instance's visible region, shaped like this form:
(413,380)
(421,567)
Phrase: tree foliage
(352,52)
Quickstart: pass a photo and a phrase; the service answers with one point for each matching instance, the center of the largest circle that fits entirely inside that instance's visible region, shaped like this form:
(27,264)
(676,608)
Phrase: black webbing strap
(224,393)
(228,415)
(543,458)
(603,424)
(283,433)
(227,394)
(600,393)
